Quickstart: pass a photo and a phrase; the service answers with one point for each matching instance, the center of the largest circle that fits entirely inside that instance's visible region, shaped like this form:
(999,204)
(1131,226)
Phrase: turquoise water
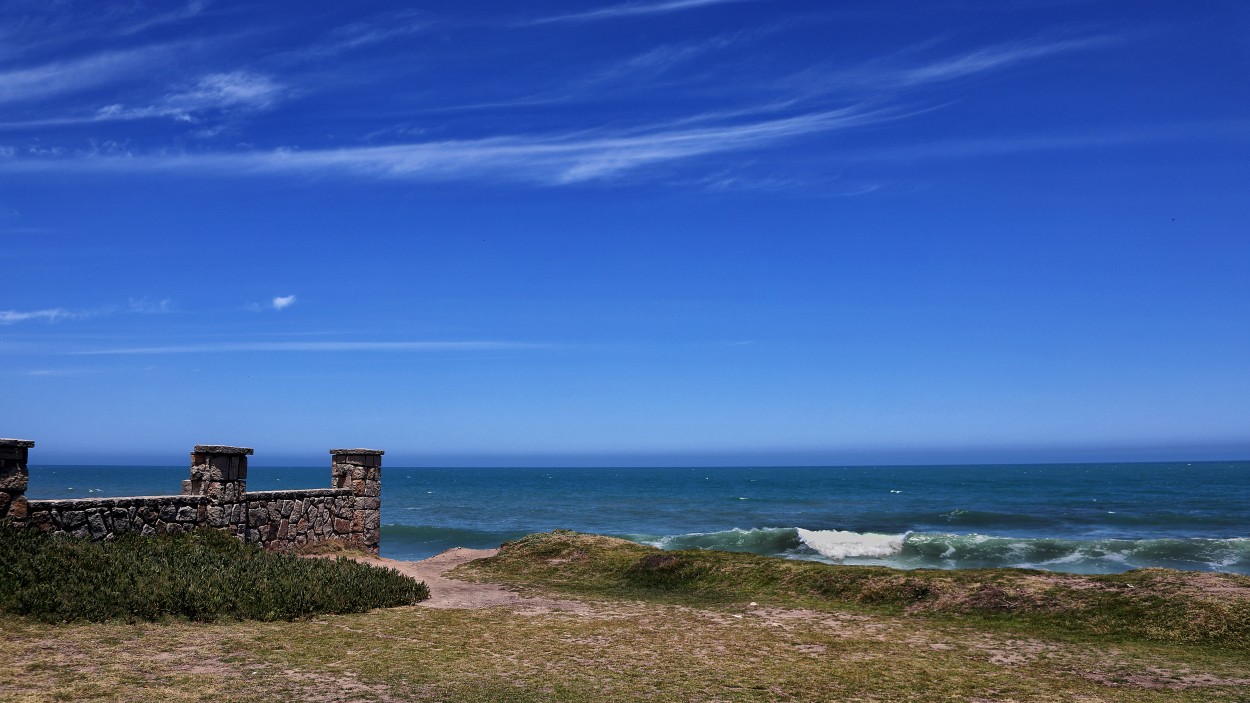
(1085,518)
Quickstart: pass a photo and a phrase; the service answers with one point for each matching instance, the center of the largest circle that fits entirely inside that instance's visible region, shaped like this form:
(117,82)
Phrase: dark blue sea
(1084,518)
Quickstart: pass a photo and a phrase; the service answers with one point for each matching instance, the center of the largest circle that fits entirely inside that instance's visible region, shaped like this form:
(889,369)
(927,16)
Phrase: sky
(646,232)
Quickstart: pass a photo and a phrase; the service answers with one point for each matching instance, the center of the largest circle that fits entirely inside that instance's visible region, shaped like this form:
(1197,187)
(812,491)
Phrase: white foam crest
(841,544)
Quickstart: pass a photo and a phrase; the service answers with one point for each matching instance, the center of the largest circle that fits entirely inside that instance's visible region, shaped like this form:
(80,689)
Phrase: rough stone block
(42,520)
(95,524)
(14,479)
(168,512)
(188,513)
(71,519)
(18,508)
(221,449)
(216,516)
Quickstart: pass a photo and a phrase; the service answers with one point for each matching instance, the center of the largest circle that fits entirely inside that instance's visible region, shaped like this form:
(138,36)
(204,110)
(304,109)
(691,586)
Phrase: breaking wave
(913,550)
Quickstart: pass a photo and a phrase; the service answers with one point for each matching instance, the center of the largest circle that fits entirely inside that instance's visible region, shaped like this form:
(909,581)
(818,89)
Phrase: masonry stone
(214,496)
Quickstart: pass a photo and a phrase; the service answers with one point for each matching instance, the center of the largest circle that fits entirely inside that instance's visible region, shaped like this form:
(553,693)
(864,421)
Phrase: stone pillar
(220,472)
(13,479)
(361,471)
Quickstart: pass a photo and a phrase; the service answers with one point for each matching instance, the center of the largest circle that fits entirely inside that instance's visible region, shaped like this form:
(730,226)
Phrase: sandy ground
(449,593)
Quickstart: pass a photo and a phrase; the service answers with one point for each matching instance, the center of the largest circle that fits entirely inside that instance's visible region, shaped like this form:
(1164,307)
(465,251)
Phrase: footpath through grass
(204,576)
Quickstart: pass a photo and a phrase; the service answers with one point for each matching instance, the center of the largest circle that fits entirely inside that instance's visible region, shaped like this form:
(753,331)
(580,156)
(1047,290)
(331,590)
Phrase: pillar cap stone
(28,443)
(359,452)
(221,449)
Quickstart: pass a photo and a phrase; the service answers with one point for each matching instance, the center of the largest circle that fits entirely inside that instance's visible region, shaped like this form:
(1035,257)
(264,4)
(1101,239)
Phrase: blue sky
(658,231)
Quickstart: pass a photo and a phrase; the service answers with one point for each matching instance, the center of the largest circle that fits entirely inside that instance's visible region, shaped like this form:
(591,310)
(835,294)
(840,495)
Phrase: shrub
(204,575)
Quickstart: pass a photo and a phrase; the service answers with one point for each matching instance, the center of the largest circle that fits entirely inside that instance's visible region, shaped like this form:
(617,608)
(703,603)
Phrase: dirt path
(450,593)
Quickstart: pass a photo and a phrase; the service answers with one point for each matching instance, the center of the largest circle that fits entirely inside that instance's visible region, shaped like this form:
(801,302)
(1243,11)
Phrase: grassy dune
(682,626)
(1149,604)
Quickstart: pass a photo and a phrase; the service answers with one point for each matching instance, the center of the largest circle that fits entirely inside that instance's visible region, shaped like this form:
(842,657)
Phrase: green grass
(677,626)
(204,576)
(1150,604)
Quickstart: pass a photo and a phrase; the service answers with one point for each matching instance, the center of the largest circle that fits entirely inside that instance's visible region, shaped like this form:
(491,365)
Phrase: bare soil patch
(465,595)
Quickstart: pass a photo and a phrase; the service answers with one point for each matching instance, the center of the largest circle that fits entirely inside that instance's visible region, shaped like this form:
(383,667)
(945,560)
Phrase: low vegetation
(623,622)
(205,575)
(1149,604)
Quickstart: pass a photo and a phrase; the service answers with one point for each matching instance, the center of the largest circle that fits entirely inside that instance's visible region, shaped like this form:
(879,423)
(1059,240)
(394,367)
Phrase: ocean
(1080,518)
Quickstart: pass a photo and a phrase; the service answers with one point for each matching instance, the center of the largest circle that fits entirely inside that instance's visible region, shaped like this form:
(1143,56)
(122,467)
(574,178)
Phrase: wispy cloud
(283,302)
(552,160)
(59,373)
(631,9)
(889,74)
(1000,56)
(151,307)
(188,11)
(8,317)
(659,59)
(216,95)
(1026,143)
(375,30)
(216,92)
(58,78)
(317,347)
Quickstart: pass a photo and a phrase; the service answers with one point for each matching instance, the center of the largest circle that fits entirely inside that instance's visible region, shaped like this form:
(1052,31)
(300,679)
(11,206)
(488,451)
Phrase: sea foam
(842,544)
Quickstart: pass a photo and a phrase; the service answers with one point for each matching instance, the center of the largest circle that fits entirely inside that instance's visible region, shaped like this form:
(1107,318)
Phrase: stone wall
(214,496)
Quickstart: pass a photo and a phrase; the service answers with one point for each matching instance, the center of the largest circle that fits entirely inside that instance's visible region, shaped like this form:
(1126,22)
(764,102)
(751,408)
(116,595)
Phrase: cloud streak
(8,317)
(238,90)
(235,347)
(214,94)
(886,75)
(550,160)
(283,302)
(631,9)
(58,78)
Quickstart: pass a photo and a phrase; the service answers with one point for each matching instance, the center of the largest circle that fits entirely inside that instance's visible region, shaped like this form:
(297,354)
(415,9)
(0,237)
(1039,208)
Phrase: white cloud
(377,29)
(317,347)
(283,302)
(551,160)
(213,94)
(630,9)
(52,79)
(881,75)
(192,9)
(145,305)
(8,317)
(216,92)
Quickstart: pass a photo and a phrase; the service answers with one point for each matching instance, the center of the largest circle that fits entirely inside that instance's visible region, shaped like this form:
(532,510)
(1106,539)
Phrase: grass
(1149,604)
(655,629)
(204,575)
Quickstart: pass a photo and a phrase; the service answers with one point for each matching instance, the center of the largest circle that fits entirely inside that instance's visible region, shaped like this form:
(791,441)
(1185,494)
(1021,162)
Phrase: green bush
(204,575)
